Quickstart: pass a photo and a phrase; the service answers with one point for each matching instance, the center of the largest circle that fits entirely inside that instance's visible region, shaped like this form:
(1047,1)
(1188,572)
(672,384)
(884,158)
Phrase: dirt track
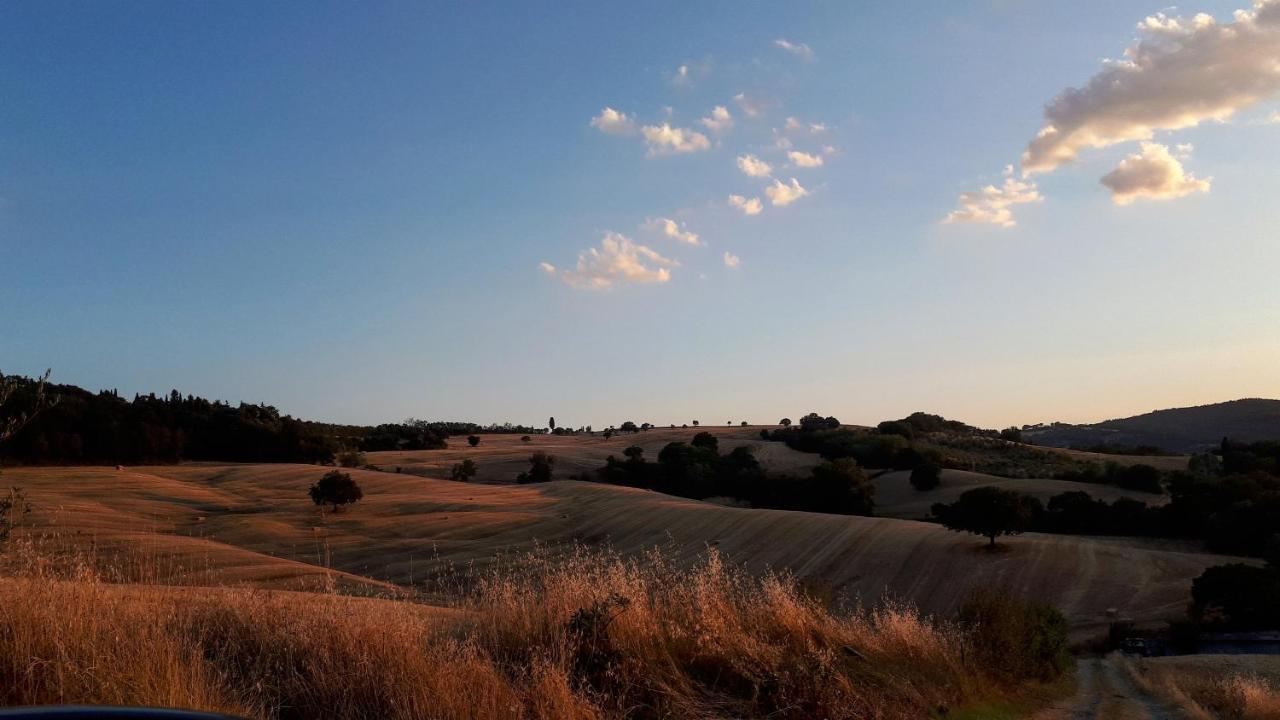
(1105,692)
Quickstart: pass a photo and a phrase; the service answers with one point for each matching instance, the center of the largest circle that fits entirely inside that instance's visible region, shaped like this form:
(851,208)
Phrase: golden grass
(579,635)
(1207,690)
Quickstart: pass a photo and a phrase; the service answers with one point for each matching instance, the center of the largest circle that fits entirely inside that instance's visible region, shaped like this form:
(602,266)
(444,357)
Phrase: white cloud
(719,120)
(682,76)
(782,142)
(992,204)
(1153,174)
(817,127)
(800,50)
(804,160)
(618,261)
(1180,73)
(751,107)
(781,194)
(731,260)
(751,206)
(752,166)
(664,139)
(673,230)
(612,122)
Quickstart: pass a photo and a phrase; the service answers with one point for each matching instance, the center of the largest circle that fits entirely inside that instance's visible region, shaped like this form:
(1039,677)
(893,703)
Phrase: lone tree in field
(335,488)
(628,427)
(540,467)
(473,440)
(463,471)
(926,476)
(551,423)
(990,512)
(785,422)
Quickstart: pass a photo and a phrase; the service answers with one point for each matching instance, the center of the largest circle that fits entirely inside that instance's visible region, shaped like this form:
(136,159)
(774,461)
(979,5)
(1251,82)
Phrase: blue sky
(342,209)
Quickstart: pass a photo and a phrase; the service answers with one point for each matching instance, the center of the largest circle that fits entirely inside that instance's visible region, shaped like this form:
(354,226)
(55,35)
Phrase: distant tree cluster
(697,470)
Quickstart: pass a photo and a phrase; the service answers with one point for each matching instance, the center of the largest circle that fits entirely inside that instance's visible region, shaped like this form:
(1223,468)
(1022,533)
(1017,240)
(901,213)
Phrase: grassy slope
(253,524)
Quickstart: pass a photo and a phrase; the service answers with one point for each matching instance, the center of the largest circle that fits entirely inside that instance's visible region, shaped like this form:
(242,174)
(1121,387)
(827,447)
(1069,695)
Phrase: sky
(1005,212)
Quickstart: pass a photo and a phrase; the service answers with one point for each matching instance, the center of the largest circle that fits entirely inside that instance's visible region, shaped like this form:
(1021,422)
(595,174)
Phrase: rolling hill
(252,525)
(1184,430)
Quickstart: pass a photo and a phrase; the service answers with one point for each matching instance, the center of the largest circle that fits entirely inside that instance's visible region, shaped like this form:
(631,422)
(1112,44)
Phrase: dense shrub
(473,440)
(540,469)
(1014,638)
(463,471)
(926,476)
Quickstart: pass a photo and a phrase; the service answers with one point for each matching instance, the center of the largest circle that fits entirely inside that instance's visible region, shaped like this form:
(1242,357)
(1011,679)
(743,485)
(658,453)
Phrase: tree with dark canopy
(705,440)
(335,488)
(926,476)
(540,469)
(473,440)
(463,471)
(785,422)
(990,512)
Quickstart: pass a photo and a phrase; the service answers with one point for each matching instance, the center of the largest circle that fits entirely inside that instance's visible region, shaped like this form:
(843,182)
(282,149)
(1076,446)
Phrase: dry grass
(1210,687)
(582,635)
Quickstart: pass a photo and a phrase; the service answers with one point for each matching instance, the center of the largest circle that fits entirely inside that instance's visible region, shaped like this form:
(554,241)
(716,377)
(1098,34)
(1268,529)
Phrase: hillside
(252,524)
(1183,430)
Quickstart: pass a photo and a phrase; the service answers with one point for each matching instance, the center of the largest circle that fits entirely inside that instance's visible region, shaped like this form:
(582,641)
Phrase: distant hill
(1183,430)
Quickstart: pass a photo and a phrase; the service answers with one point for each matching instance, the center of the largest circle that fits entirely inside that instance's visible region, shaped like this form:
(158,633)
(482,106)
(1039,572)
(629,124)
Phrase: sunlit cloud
(993,205)
(748,206)
(1152,174)
(719,121)
(666,140)
(618,261)
(752,166)
(1180,73)
(731,260)
(751,107)
(804,160)
(612,122)
(795,124)
(800,50)
(781,194)
(682,76)
(674,230)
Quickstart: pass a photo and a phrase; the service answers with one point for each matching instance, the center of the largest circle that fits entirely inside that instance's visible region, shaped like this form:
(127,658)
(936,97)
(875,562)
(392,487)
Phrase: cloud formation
(748,206)
(731,260)
(752,166)
(719,120)
(782,194)
(618,261)
(991,204)
(666,140)
(1153,174)
(800,50)
(804,160)
(612,122)
(673,230)
(1180,73)
(750,107)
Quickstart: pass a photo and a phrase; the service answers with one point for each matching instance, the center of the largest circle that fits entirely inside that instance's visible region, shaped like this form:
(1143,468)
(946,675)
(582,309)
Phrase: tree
(12,420)
(463,471)
(744,423)
(608,433)
(628,426)
(335,488)
(705,440)
(840,486)
(551,423)
(473,440)
(695,423)
(1011,434)
(540,469)
(989,512)
(785,422)
(635,454)
(926,476)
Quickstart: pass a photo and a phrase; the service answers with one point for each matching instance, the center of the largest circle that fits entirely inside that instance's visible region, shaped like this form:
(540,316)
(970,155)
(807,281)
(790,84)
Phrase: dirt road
(1106,693)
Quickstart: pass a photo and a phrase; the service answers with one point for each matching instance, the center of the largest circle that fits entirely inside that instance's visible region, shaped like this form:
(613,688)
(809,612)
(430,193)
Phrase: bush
(840,486)
(1018,639)
(525,438)
(352,459)
(705,440)
(926,476)
(463,471)
(335,488)
(473,440)
(1237,597)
